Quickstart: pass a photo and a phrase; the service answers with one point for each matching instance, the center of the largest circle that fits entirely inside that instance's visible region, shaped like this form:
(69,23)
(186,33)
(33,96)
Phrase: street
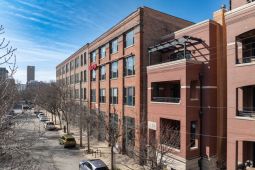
(51,155)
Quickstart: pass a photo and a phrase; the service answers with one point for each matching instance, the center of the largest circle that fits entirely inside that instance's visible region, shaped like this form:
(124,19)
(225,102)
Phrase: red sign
(93,67)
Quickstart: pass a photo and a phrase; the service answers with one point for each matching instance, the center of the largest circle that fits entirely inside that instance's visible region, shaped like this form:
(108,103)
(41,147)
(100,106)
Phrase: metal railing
(166,99)
(245,60)
(246,113)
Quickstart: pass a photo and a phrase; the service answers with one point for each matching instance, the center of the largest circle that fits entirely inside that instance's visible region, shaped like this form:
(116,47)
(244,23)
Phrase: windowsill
(129,46)
(102,80)
(245,118)
(193,148)
(129,76)
(129,106)
(113,104)
(114,53)
(93,102)
(113,78)
(102,58)
(165,103)
(102,103)
(245,64)
(194,99)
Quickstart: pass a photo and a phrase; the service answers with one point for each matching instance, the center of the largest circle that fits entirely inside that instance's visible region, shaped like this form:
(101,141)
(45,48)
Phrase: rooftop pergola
(178,44)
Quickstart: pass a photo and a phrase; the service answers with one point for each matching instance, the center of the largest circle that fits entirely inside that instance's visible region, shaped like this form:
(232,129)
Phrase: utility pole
(80,115)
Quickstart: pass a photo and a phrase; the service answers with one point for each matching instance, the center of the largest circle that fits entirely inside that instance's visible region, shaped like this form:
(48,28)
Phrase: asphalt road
(51,155)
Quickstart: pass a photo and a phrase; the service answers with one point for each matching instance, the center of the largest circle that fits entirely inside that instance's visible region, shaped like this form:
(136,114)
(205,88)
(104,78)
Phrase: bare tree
(14,145)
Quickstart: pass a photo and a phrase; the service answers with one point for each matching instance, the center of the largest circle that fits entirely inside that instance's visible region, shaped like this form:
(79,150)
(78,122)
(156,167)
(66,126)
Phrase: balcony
(246,101)
(167,92)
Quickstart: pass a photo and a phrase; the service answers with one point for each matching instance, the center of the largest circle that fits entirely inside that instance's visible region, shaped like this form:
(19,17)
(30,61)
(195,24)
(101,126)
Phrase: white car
(40,115)
(48,125)
(43,118)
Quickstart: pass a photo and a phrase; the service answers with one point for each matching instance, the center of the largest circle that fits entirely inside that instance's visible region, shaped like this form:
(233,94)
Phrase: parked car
(92,164)
(40,114)
(48,125)
(67,140)
(43,118)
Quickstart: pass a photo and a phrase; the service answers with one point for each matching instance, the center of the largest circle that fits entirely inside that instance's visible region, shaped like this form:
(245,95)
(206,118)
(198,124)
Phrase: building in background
(3,73)
(30,73)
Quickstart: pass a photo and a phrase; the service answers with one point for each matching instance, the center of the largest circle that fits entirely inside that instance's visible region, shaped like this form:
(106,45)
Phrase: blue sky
(48,31)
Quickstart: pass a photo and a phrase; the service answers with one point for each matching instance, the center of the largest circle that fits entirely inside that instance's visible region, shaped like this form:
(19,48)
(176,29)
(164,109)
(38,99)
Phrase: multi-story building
(73,72)
(30,73)
(185,87)
(116,72)
(240,21)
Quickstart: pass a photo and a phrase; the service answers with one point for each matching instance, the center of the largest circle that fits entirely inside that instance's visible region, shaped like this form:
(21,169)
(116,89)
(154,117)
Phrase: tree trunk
(55,119)
(67,127)
(112,164)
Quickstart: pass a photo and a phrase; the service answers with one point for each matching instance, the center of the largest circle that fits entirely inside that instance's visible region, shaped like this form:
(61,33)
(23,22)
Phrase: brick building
(184,84)
(240,23)
(114,76)
(156,74)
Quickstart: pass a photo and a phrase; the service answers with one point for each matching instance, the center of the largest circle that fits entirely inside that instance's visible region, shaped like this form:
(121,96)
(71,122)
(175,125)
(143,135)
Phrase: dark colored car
(92,164)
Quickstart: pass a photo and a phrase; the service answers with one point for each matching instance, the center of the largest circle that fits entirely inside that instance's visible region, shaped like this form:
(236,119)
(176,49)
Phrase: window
(81,93)
(77,62)
(77,78)
(114,69)
(85,93)
(71,65)
(193,136)
(93,95)
(129,66)
(102,96)
(67,67)
(82,60)
(129,38)
(63,70)
(85,76)
(93,75)
(93,56)
(102,52)
(114,46)
(102,73)
(114,95)
(249,1)
(81,76)
(85,58)
(193,89)
(76,93)
(129,96)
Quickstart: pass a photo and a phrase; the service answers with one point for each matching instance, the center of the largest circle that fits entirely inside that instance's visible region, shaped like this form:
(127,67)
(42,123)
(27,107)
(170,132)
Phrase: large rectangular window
(81,60)
(93,95)
(93,75)
(102,73)
(85,93)
(102,52)
(67,67)
(129,96)
(114,46)
(114,69)
(129,66)
(102,96)
(114,96)
(77,62)
(129,38)
(77,78)
(93,56)
(76,93)
(85,76)
(85,58)
(81,76)
(71,65)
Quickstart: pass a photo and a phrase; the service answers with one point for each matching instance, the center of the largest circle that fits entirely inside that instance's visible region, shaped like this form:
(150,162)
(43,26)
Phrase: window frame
(112,43)
(102,54)
(102,98)
(93,97)
(127,65)
(127,38)
(128,96)
(93,56)
(102,77)
(113,99)
(114,75)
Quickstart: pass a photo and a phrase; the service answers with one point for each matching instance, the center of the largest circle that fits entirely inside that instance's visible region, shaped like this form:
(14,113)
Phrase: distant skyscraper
(3,73)
(30,73)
